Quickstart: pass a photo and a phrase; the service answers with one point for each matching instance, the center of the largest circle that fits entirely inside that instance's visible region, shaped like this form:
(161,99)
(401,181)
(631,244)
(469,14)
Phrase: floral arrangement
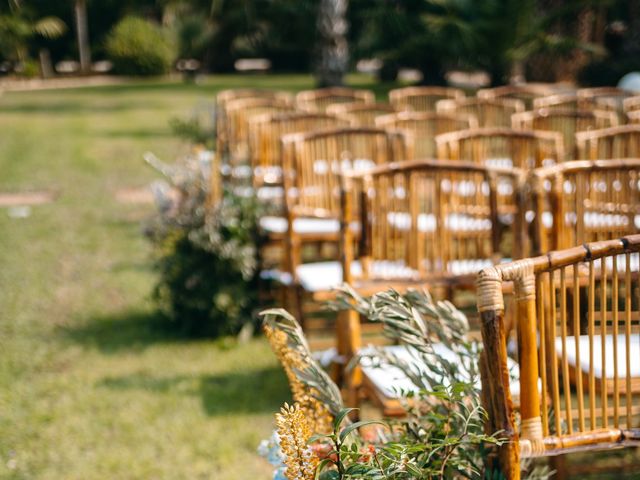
(442,435)
(206,255)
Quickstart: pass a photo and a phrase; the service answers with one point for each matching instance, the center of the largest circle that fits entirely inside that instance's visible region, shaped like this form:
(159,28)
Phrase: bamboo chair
(608,143)
(603,97)
(584,201)
(577,317)
(631,104)
(524,92)
(424,127)
(318,100)
(489,112)
(502,147)
(633,117)
(239,113)
(313,202)
(565,121)
(562,101)
(424,223)
(422,99)
(225,96)
(360,114)
(265,134)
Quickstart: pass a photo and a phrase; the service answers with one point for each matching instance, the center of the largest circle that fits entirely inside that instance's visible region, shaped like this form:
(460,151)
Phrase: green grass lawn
(91,385)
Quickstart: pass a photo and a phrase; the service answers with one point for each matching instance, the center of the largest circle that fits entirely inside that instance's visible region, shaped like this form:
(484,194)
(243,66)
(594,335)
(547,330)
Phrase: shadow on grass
(137,133)
(129,330)
(69,107)
(252,391)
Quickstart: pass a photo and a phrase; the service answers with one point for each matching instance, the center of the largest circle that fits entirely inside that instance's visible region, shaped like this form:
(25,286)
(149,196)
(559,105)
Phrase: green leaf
(341,416)
(329,475)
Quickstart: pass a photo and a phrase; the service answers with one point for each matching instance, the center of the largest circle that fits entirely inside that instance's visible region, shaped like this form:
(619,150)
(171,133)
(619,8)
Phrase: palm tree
(18,28)
(82,31)
(333,46)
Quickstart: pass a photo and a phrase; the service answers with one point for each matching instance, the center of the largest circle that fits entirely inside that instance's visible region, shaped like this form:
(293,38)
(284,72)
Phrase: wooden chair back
(566,122)
(266,132)
(502,147)
(239,113)
(424,127)
(422,99)
(603,97)
(319,99)
(427,221)
(490,112)
(524,92)
(577,315)
(559,100)
(225,96)
(616,142)
(360,114)
(631,104)
(633,117)
(584,201)
(319,158)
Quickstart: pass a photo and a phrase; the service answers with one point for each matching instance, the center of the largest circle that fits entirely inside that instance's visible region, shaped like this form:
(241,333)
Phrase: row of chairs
(574,385)
(490,107)
(301,170)
(494,194)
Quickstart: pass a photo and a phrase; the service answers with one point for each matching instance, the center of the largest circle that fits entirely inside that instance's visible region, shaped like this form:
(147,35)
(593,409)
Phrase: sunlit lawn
(91,385)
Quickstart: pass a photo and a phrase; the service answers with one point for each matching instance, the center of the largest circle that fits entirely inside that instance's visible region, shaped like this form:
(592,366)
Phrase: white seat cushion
(324,276)
(270,193)
(427,222)
(593,220)
(634,353)
(391,381)
(272,174)
(271,224)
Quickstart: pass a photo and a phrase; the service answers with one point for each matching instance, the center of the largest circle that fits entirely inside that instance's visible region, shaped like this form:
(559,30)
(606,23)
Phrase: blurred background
(97,380)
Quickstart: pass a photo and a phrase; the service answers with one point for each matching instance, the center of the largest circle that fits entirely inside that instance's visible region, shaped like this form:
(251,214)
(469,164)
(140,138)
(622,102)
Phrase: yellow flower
(320,419)
(294,430)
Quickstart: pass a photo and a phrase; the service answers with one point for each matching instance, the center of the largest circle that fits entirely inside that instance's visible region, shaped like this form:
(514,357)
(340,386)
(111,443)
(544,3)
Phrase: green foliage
(21,27)
(194,130)
(139,47)
(206,257)
(313,376)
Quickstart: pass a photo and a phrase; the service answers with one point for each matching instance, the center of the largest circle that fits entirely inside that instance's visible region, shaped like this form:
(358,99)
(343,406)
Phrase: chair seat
(271,174)
(267,193)
(610,340)
(392,382)
(595,220)
(325,276)
(427,222)
(302,226)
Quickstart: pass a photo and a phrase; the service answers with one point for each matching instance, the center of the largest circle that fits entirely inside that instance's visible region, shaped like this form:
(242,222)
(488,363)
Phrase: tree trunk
(333,46)
(46,70)
(82,30)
